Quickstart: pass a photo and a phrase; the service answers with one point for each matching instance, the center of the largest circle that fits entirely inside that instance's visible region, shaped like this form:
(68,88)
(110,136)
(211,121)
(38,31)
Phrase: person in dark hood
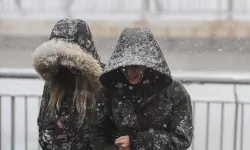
(71,67)
(140,106)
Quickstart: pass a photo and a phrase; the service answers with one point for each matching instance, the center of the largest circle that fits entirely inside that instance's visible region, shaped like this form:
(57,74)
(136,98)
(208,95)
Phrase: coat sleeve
(181,127)
(101,125)
(49,135)
(44,136)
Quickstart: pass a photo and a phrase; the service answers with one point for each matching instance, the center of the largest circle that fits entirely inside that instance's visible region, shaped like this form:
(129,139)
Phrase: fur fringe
(49,56)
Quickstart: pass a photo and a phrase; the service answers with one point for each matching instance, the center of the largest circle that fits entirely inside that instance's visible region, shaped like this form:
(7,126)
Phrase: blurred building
(166,18)
(186,26)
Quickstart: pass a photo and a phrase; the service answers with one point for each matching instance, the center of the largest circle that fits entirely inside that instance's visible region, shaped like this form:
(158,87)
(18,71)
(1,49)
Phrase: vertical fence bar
(242,127)
(219,9)
(26,122)
(166,6)
(207,126)
(0,122)
(39,104)
(193,123)
(39,101)
(244,4)
(230,9)
(236,117)
(246,8)
(222,126)
(12,123)
(145,9)
(120,5)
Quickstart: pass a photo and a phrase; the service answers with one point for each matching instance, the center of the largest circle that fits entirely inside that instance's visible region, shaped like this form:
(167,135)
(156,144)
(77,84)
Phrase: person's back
(140,103)
(70,66)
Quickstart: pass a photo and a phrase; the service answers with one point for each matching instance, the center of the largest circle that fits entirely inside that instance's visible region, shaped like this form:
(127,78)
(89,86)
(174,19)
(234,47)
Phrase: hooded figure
(70,66)
(140,102)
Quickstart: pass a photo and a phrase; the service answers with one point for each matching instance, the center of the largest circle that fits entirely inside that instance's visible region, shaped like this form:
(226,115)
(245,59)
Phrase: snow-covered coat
(156,114)
(72,47)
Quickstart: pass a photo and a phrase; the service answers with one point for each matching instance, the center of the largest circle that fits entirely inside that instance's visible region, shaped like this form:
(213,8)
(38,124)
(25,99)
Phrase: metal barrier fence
(68,8)
(239,114)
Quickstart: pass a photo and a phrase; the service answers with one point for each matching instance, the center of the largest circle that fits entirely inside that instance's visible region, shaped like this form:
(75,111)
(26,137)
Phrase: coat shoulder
(177,91)
(102,94)
(101,91)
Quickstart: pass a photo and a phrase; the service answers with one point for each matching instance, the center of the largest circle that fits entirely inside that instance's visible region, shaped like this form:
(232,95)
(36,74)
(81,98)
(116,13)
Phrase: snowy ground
(198,92)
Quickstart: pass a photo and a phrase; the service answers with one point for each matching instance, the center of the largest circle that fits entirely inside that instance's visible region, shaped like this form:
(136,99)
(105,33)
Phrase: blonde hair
(84,96)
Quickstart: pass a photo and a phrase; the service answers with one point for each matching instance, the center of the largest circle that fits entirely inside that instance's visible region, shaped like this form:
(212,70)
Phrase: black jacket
(72,47)
(156,114)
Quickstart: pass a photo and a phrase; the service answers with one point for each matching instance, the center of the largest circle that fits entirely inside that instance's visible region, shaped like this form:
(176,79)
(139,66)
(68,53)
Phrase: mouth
(131,78)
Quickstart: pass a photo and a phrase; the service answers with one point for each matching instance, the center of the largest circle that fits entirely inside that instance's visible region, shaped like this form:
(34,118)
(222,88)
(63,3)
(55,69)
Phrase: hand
(60,124)
(123,143)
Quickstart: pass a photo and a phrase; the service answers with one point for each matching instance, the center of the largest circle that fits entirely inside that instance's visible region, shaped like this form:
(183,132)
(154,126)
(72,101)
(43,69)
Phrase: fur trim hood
(78,32)
(49,56)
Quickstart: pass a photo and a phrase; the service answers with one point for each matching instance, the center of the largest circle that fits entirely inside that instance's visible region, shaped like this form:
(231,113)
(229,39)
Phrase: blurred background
(205,42)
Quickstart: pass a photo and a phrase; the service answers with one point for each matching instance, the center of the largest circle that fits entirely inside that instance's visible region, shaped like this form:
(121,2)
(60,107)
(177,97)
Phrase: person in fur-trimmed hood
(70,66)
(140,107)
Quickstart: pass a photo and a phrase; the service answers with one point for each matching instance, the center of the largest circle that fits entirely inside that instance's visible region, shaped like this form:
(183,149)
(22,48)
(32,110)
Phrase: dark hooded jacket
(156,114)
(70,46)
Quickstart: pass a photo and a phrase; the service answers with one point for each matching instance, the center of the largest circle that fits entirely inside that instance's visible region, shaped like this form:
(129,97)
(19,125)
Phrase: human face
(133,74)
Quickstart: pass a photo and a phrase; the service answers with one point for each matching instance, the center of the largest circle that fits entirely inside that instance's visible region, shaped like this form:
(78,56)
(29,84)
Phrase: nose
(130,71)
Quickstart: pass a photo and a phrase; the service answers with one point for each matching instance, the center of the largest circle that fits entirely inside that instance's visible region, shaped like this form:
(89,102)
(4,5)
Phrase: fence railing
(227,9)
(235,110)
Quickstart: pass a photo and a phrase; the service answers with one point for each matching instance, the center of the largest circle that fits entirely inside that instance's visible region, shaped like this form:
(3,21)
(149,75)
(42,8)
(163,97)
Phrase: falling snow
(157,111)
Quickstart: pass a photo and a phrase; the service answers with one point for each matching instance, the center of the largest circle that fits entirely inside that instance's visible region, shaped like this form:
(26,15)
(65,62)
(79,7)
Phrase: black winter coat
(156,114)
(72,47)
(67,137)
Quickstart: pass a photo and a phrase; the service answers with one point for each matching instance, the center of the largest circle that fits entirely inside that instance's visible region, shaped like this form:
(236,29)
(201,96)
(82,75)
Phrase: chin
(134,82)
